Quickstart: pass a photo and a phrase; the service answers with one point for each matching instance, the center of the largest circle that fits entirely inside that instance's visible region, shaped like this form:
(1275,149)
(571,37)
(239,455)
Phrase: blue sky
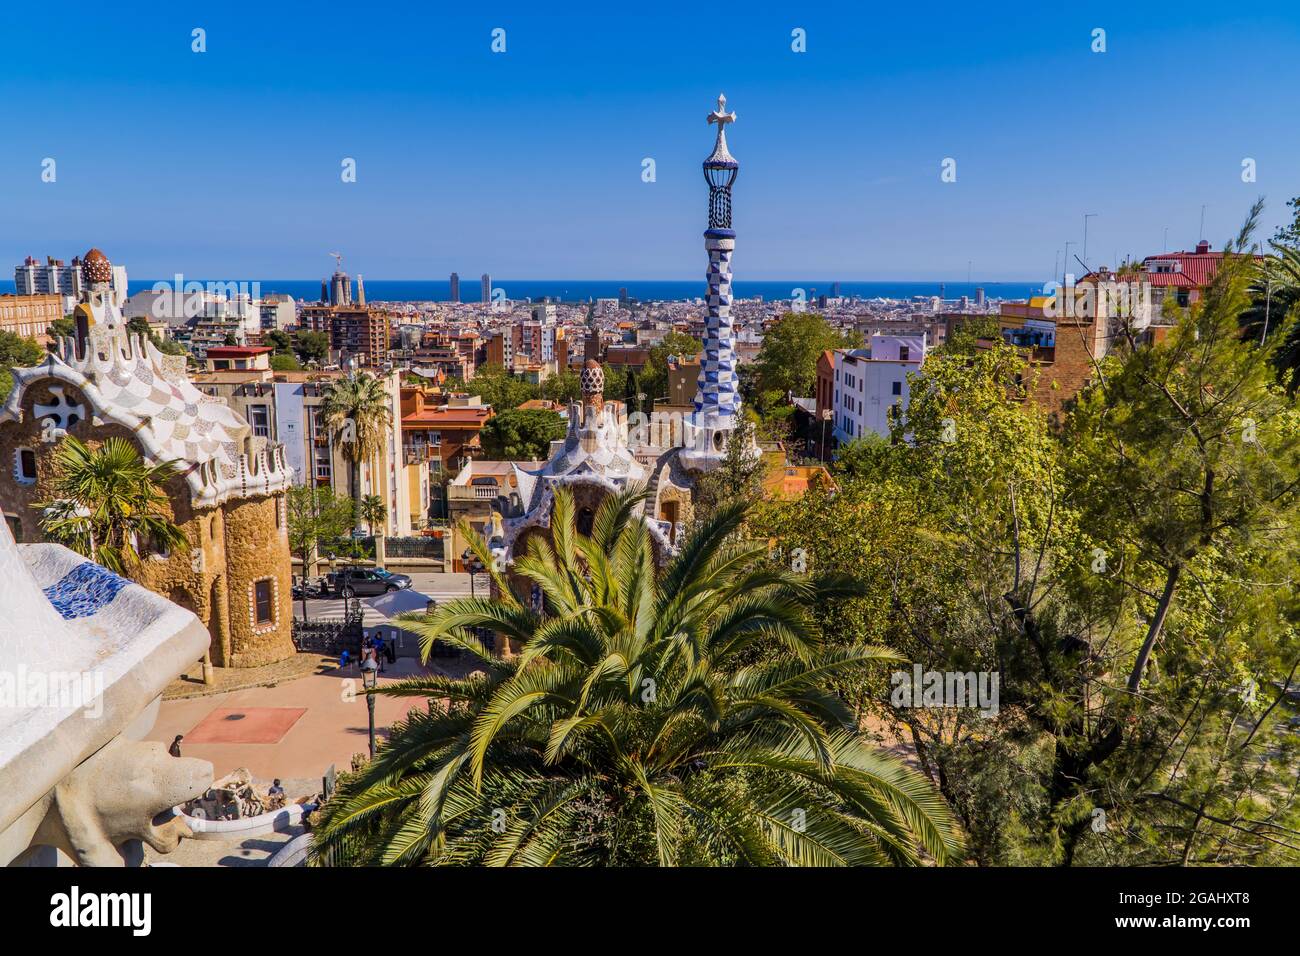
(527,164)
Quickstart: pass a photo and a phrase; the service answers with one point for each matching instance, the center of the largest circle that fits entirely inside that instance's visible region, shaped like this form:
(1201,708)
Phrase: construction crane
(338,261)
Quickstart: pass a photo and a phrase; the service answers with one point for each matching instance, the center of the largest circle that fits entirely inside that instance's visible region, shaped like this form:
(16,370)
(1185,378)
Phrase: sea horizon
(583,290)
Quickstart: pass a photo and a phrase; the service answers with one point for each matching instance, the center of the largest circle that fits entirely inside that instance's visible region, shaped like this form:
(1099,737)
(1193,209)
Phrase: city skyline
(524,160)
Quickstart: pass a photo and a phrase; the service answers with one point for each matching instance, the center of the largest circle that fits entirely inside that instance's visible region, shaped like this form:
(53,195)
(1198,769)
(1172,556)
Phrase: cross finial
(720,115)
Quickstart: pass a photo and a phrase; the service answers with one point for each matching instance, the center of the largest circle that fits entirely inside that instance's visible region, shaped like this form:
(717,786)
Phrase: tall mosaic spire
(717,396)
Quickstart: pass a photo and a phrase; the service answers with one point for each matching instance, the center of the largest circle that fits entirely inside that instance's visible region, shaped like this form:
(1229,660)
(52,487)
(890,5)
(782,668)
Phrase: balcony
(472,492)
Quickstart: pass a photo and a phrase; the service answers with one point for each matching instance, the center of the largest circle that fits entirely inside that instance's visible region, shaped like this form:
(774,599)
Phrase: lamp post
(473,565)
(369,678)
(821,448)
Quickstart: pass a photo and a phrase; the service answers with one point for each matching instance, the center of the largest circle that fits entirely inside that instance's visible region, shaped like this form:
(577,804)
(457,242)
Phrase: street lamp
(473,565)
(369,678)
(821,448)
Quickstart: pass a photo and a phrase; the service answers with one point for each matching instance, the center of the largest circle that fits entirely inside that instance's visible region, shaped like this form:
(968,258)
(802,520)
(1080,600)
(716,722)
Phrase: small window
(260,419)
(903,353)
(15,527)
(25,465)
(263,605)
(898,388)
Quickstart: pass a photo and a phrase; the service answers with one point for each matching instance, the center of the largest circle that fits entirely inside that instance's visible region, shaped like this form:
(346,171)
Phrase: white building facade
(871,384)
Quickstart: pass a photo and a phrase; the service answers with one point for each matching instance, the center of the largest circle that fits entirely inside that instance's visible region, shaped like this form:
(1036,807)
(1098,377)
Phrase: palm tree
(683,717)
(108,502)
(1274,312)
(357,415)
(374,512)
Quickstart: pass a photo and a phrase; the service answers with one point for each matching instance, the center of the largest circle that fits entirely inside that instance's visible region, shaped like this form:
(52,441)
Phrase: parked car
(366,582)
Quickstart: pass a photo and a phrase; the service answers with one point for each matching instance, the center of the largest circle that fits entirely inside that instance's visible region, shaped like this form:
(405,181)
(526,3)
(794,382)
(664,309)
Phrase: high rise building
(979,298)
(486,292)
(455,287)
(69,281)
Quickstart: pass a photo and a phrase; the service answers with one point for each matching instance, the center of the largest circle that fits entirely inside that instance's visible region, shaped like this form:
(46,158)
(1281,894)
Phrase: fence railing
(330,637)
(421,547)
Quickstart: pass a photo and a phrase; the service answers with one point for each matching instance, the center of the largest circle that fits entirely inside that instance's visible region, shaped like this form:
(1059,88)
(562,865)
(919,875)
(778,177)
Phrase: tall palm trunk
(355,477)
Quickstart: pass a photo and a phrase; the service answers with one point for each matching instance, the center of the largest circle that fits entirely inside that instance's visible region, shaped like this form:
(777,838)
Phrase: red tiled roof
(444,417)
(236,351)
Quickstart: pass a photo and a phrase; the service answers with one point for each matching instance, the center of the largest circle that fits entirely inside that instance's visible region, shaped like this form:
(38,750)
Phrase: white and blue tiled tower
(717,395)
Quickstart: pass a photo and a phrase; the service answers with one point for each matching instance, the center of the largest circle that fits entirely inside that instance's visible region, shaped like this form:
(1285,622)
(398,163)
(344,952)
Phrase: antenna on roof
(1202,235)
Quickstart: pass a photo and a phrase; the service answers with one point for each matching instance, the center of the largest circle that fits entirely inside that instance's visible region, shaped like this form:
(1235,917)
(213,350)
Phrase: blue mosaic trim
(84,591)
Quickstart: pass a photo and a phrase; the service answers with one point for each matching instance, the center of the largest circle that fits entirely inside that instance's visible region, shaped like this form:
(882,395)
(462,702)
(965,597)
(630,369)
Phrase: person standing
(175,748)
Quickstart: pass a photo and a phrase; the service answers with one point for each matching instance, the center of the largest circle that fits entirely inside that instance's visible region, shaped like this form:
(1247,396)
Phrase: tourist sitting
(275,796)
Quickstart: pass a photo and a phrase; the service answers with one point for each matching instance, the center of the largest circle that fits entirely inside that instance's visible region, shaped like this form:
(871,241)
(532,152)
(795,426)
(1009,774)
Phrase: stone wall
(257,549)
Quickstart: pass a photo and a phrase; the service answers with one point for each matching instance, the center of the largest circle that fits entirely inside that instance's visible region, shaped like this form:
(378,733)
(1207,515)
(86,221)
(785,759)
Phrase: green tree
(318,517)
(16,352)
(138,325)
(311,347)
(787,360)
(279,341)
(285,362)
(737,480)
(564,387)
(63,328)
(358,415)
(654,377)
(374,513)
(109,504)
(521,434)
(497,386)
(680,718)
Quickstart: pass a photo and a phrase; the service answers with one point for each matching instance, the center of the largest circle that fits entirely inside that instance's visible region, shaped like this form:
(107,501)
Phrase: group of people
(372,648)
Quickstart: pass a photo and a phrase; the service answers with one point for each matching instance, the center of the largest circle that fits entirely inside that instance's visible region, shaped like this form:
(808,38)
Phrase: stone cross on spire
(722,118)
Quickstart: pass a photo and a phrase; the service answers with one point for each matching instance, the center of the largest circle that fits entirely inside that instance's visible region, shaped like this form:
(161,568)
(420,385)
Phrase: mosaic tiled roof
(127,380)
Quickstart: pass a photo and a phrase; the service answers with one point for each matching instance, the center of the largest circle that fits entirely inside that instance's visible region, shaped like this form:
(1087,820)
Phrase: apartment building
(285,407)
(30,315)
(442,430)
(354,330)
(871,384)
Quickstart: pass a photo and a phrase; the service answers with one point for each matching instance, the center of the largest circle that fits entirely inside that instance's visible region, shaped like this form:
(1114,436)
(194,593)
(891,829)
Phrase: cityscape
(951,565)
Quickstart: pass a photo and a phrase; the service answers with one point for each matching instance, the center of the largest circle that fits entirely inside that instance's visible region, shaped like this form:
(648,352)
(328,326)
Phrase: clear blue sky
(225,165)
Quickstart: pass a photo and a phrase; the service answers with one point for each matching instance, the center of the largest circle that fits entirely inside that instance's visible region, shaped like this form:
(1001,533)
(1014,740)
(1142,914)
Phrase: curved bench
(273,821)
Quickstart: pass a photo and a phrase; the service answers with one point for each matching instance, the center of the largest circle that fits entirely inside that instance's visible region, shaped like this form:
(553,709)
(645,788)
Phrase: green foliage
(1128,578)
(653,380)
(681,718)
(16,352)
(787,361)
(278,340)
(374,513)
(109,503)
(63,328)
(311,347)
(521,434)
(284,362)
(962,339)
(318,519)
(497,387)
(357,412)
(563,388)
(138,325)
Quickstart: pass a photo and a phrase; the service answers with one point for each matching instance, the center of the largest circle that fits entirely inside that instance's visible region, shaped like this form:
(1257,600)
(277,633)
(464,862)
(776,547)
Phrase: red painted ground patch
(244,725)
